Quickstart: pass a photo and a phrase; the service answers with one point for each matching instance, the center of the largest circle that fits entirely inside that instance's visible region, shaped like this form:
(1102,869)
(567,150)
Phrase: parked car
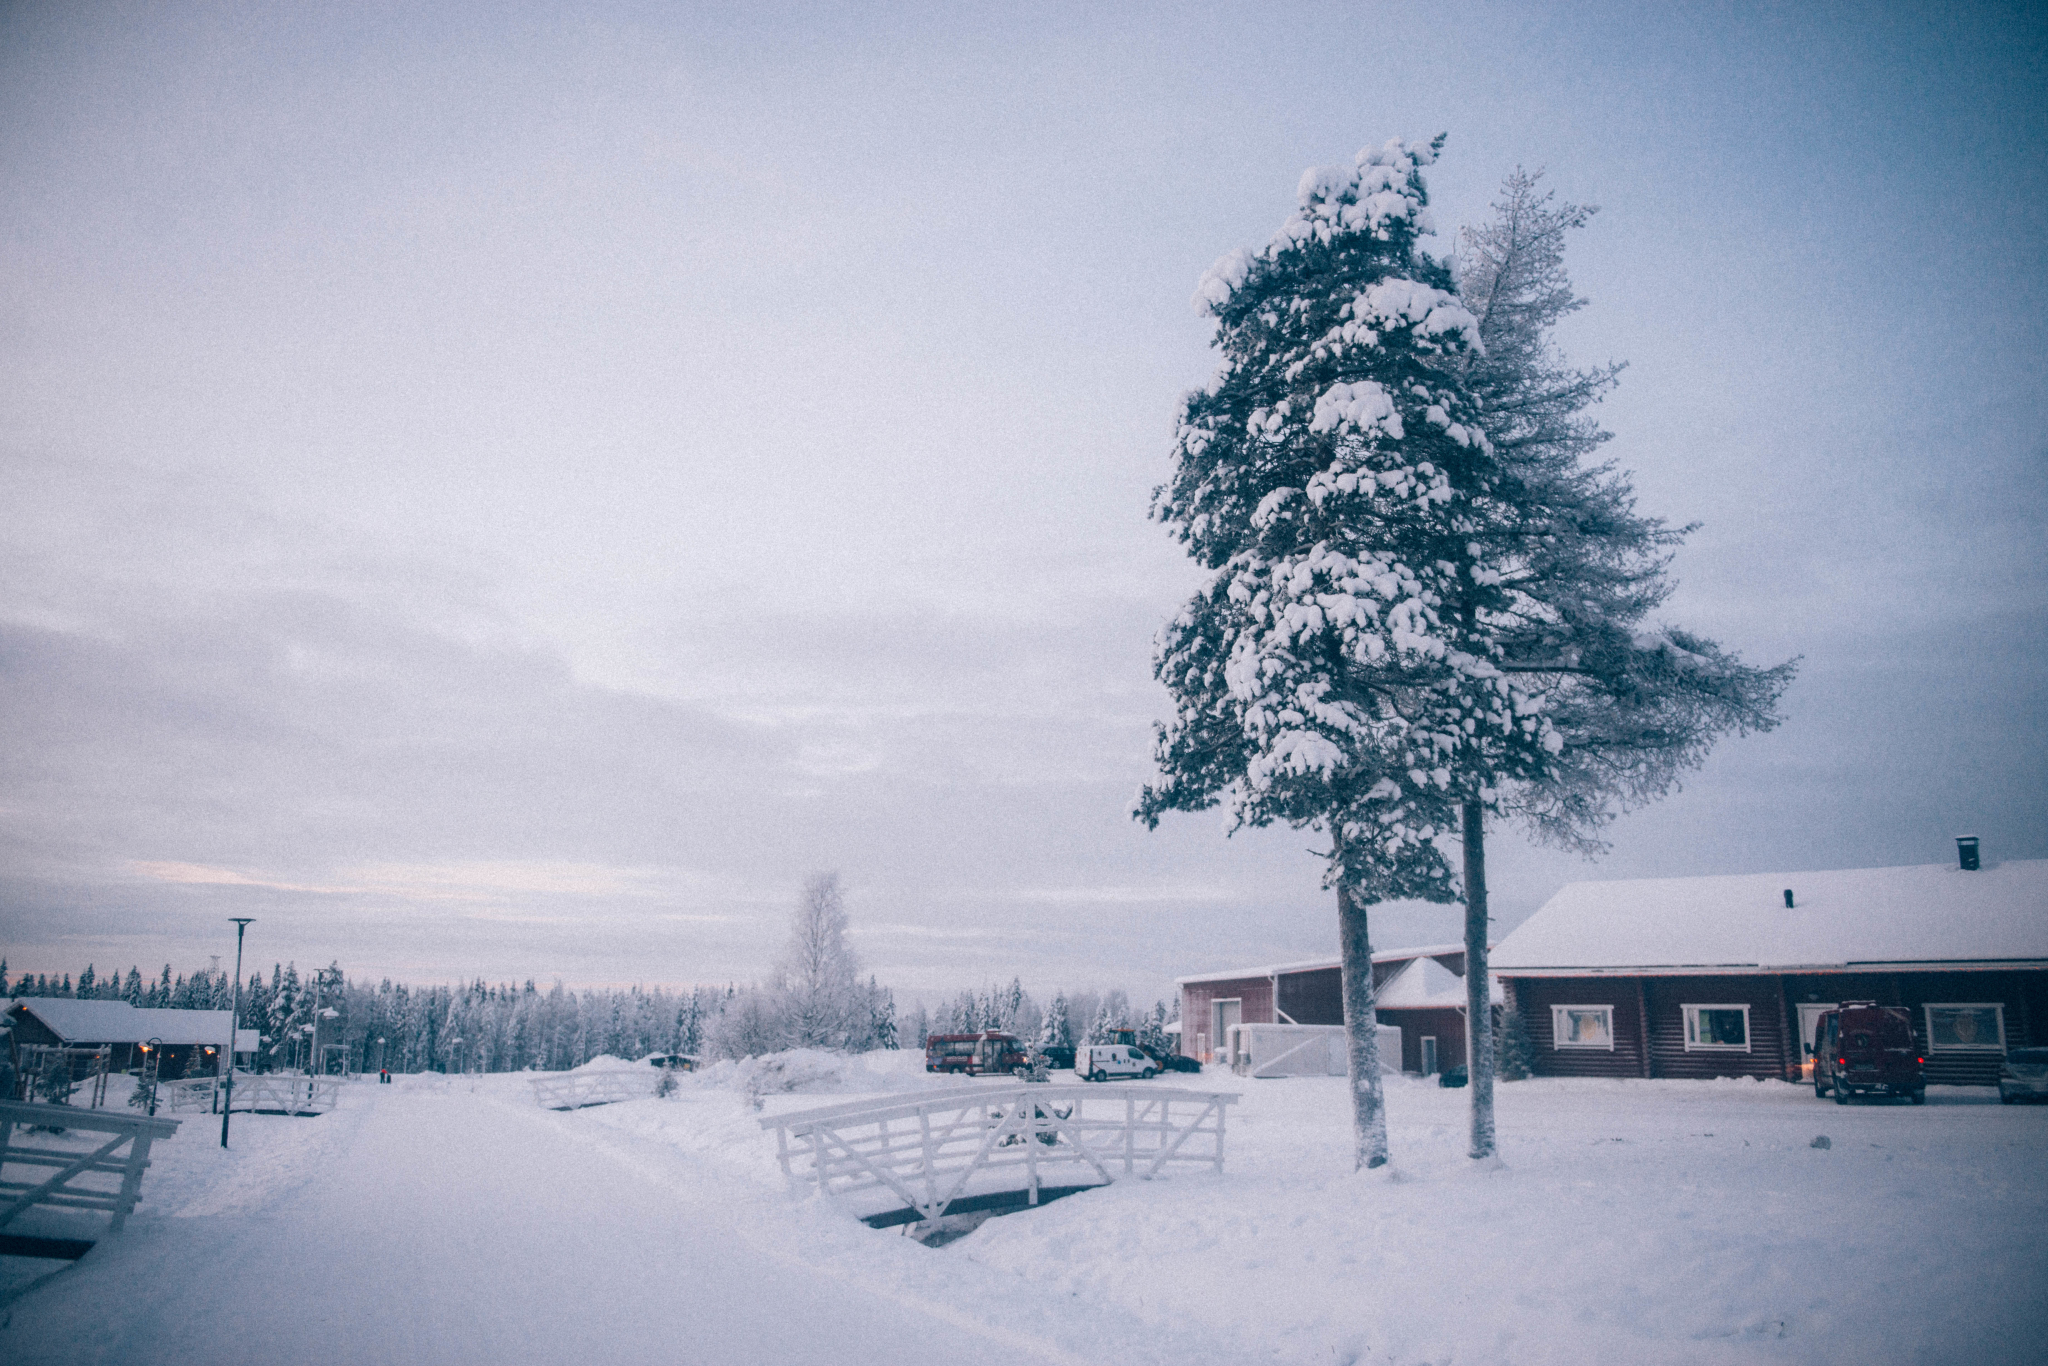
(1861,1048)
(1058,1055)
(1454,1076)
(1168,1061)
(2024,1075)
(990,1051)
(1101,1061)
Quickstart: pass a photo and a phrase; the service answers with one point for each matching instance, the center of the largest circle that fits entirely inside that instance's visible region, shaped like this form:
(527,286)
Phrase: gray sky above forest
(498,491)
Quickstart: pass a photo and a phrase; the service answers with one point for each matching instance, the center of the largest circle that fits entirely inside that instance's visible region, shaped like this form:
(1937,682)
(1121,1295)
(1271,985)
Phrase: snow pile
(1666,1221)
(814,1071)
(1628,1222)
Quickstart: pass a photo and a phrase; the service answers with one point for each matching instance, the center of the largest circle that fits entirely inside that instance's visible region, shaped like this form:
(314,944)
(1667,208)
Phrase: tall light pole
(234,1023)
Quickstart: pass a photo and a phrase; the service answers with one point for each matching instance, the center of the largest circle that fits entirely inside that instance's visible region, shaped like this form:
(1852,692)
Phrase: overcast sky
(491,491)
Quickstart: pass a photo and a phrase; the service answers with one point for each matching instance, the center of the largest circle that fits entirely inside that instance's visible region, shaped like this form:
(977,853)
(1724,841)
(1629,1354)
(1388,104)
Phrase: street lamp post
(234,1023)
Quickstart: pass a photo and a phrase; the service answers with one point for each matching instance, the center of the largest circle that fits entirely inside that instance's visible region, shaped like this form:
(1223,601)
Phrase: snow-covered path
(441,1228)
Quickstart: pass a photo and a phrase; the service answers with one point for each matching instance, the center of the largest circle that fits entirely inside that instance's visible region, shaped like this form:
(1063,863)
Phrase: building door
(1429,1055)
(1227,1014)
(1809,1013)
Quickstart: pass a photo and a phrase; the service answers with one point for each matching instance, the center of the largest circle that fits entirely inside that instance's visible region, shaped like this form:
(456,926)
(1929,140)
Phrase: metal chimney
(1966,852)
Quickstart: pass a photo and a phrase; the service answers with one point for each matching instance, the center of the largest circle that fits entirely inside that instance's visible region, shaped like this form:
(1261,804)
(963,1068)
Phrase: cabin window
(1958,1028)
(1717,1029)
(1582,1027)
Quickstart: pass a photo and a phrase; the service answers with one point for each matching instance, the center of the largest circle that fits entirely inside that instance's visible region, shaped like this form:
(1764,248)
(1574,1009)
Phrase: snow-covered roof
(1317,964)
(1934,914)
(119,1022)
(1426,984)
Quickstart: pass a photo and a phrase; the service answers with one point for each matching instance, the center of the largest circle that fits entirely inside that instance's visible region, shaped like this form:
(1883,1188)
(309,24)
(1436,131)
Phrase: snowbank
(1667,1221)
(1629,1221)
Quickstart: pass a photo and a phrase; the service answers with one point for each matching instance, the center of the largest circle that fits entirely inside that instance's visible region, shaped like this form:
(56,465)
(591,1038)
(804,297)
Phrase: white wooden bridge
(264,1093)
(996,1146)
(575,1090)
(80,1150)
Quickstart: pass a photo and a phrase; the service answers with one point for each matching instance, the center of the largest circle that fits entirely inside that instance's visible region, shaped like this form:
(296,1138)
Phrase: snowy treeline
(203,990)
(480,1026)
(815,1000)
(1070,1018)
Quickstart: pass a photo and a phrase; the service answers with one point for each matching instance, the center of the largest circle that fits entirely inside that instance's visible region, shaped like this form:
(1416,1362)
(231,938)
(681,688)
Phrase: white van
(1101,1061)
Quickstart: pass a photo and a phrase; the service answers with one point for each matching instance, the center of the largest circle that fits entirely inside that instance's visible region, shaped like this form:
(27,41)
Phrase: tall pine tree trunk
(1361,1020)
(1479,1059)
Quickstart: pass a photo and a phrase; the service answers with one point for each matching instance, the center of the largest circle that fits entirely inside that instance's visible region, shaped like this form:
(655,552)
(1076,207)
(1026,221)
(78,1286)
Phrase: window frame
(1928,1008)
(1691,1018)
(1557,1040)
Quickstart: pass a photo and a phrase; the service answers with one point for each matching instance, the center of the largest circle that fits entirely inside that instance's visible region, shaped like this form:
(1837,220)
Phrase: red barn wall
(1446,1024)
(1315,997)
(1196,998)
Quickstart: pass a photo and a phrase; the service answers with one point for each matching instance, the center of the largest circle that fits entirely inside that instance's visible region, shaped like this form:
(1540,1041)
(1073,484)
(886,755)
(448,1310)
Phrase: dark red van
(990,1051)
(1861,1048)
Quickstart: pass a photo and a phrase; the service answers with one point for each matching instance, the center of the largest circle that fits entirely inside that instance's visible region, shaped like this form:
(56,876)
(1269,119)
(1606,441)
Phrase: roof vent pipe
(1966,852)
(1788,898)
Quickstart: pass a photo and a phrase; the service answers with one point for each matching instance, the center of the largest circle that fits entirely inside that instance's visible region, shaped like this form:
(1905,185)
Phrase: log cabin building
(1726,976)
(191,1039)
(1420,991)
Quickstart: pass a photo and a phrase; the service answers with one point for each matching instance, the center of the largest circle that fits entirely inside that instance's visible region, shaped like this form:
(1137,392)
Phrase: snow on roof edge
(1932,916)
(1316,964)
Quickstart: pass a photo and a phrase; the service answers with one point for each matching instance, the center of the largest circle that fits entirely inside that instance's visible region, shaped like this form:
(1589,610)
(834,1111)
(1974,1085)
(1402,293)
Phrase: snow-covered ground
(452,1220)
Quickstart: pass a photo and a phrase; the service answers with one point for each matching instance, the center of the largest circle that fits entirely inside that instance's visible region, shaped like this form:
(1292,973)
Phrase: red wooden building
(1421,991)
(1724,976)
(191,1039)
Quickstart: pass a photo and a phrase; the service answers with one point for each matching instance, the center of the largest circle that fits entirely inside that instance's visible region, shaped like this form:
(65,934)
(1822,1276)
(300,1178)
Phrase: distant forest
(510,1027)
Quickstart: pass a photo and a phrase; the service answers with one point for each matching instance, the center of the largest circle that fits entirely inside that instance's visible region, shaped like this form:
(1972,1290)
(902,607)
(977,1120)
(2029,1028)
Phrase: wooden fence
(987,1147)
(90,1171)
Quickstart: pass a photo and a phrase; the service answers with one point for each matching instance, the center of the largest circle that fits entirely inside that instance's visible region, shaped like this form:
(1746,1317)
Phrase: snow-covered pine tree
(1152,1027)
(1331,479)
(881,1026)
(1098,1030)
(1054,1031)
(1517,1048)
(1572,573)
(920,1025)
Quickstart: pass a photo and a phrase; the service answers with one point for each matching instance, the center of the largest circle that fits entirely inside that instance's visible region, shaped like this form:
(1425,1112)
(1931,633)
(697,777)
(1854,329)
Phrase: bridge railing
(574,1090)
(935,1148)
(73,1145)
(283,1093)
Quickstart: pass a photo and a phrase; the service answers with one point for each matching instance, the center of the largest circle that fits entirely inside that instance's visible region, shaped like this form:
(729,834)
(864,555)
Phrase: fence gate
(62,1157)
